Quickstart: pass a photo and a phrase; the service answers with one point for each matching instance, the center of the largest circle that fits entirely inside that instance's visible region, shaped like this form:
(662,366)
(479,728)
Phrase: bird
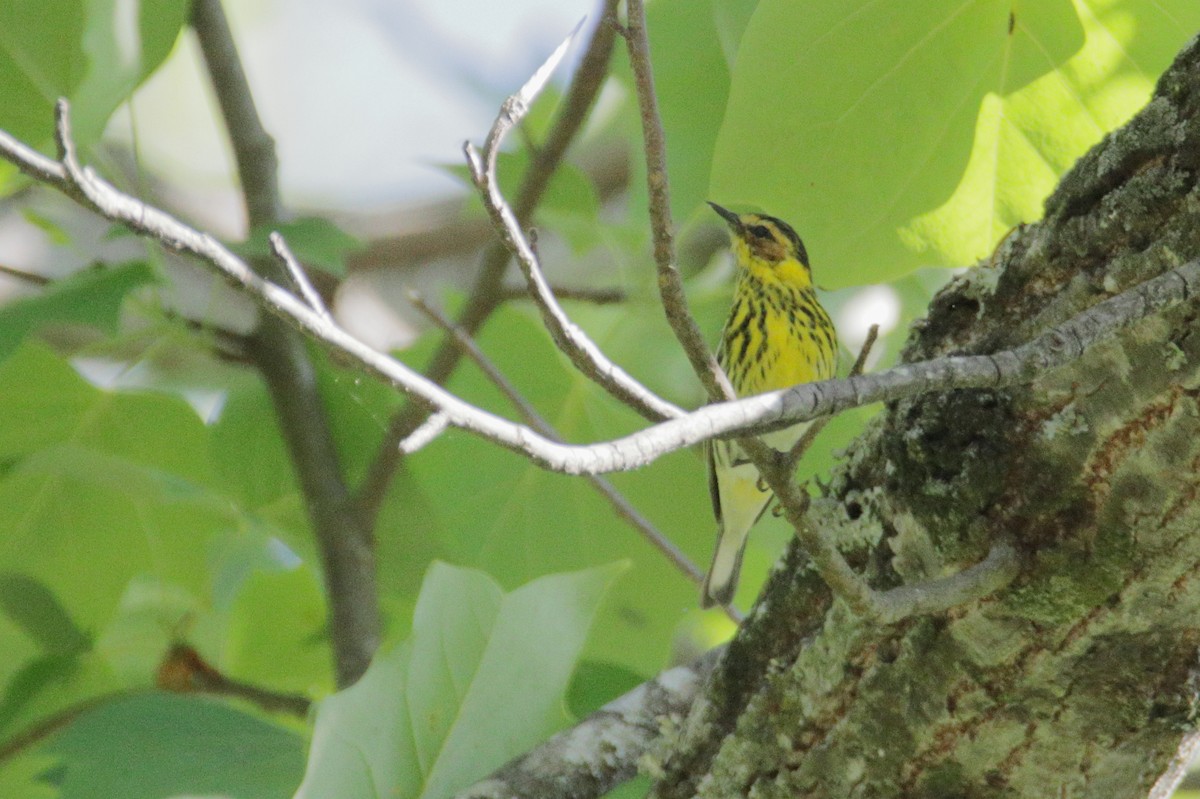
(777,335)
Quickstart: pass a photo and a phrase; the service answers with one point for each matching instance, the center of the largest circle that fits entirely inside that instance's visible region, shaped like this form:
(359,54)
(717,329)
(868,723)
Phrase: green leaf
(41,59)
(315,241)
(124,477)
(52,229)
(158,745)
(89,297)
(438,713)
(48,686)
(38,612)
(517,521)
(277,632)
(87,50)
(33,681)
(22,776)
(121,52)
(691,68)
(596,683)
(892,134)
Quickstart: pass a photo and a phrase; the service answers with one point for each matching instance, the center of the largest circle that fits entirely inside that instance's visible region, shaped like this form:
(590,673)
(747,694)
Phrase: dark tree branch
(610,296)
(184,671)
(253,147)
(345,543)
(26,277)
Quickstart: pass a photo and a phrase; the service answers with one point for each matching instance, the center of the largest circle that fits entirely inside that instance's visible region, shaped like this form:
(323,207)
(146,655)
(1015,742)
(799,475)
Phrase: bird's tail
(722,579)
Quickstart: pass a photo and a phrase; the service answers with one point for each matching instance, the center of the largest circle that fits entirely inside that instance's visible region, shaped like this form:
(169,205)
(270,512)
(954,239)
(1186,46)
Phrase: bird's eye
(760,231)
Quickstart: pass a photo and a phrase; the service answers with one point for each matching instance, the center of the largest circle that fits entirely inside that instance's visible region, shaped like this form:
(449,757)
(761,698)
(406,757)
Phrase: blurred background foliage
(146,498)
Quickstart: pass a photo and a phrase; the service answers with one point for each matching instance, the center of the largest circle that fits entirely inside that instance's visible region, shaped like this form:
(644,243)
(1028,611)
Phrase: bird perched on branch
(777,335)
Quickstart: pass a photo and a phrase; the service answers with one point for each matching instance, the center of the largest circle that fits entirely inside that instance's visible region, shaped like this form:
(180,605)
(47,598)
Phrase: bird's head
(763,238)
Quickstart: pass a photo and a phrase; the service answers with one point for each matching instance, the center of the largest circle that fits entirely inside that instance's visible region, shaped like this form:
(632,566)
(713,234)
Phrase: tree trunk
(1080,679)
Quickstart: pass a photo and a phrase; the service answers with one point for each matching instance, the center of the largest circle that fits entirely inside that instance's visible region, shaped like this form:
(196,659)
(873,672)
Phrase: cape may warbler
(777,335)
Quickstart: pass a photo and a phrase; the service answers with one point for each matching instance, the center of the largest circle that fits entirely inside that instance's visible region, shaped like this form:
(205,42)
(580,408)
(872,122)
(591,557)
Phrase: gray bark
(1081,678)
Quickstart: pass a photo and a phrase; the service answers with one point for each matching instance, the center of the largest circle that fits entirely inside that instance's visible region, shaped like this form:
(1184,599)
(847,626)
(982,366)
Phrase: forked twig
(569,338)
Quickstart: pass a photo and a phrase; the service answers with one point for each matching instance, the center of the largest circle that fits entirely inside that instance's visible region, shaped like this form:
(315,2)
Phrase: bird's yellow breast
(777,334)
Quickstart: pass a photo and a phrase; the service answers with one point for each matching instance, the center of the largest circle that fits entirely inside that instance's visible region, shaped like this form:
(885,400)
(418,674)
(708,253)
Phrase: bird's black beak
(734,221)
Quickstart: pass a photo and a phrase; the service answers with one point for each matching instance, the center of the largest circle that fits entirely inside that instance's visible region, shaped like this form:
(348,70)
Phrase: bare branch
(296,271)
(670,283)
(183,670)
(774,410)
(485,295)
(569,338)
(430,429)
(988,576)
(28,277)
(609,296)
(46,727)
(603,750)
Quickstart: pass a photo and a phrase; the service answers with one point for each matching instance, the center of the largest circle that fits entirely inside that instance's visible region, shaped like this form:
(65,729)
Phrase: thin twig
(48,726)
(296,271)
(535,420)
(433,426)
(28,277)
(183,670)
(572,341)
(670,282)
(609,296)
(485,295)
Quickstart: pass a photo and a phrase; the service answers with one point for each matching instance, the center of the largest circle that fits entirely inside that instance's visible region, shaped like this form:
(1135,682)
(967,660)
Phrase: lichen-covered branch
(604,749)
